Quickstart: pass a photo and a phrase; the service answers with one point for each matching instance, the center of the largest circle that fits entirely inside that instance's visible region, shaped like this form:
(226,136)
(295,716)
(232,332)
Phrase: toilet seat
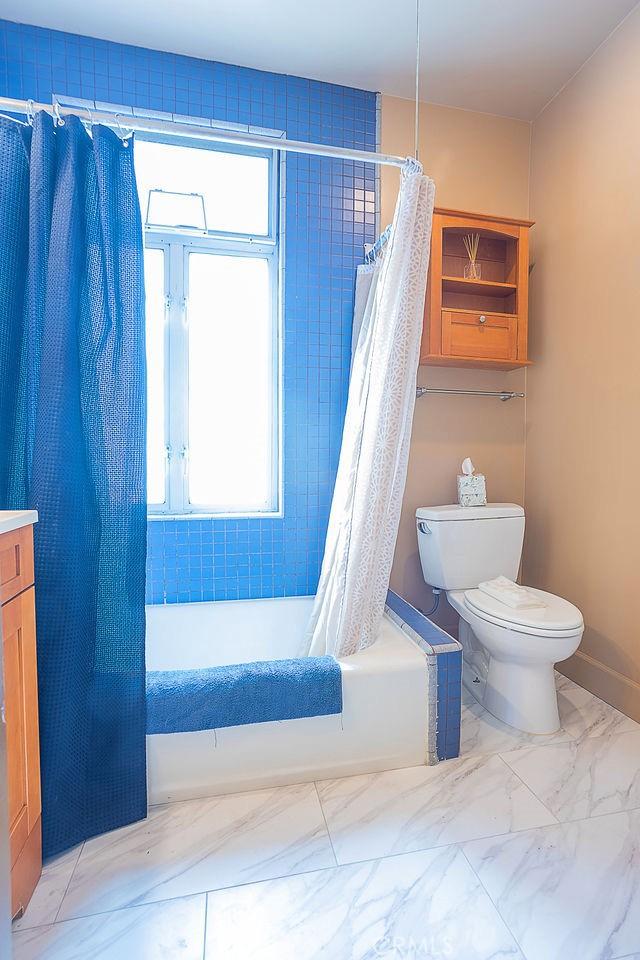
(558,618)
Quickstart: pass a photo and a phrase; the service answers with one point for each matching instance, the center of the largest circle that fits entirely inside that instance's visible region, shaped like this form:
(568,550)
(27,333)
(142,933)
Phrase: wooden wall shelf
(437,360)
(488,288)
(477,323)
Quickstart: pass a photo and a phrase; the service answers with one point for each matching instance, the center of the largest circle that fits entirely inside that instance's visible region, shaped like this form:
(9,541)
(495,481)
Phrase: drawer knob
(482,318)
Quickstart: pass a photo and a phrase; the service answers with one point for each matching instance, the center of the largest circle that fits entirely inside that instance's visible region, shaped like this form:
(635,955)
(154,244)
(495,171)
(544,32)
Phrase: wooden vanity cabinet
(17,606)
(477,322)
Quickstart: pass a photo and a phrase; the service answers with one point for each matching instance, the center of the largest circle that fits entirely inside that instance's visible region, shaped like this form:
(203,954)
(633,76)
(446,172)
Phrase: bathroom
(190,737)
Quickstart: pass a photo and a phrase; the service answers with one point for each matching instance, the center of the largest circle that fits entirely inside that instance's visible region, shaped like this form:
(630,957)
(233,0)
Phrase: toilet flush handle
(422,527)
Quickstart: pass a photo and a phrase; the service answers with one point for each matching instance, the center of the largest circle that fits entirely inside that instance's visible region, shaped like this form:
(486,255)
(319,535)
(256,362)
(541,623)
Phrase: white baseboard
(612,687)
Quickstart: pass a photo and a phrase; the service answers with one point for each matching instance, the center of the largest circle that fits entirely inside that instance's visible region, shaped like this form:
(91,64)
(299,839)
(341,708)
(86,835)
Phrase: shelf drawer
(490,336)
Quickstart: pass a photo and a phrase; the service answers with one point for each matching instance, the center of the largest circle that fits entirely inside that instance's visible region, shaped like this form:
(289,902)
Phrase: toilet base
(523,695)
(516,667)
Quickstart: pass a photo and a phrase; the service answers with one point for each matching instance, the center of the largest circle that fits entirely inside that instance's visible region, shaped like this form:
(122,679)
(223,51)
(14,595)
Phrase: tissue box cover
(472,491)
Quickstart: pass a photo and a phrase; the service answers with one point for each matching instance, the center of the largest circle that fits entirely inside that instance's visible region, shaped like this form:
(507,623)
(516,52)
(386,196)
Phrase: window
(211,272)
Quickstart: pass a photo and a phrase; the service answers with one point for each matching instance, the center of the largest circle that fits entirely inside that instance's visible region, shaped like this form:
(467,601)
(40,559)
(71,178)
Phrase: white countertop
(14,519)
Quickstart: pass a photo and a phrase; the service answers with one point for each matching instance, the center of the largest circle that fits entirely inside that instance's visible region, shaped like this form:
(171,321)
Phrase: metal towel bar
(500,394)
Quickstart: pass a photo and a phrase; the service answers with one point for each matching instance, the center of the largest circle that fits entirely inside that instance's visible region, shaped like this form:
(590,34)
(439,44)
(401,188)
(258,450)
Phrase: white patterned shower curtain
(365,511)
(366,281)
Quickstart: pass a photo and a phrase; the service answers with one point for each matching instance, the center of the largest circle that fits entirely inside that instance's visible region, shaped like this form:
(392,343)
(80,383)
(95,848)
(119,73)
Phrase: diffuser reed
(472,270)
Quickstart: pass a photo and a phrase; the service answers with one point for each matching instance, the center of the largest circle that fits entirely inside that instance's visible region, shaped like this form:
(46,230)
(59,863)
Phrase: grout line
(495,905)
(324,817)
(531,791)
(285,786)
(299,873)
(349,863)
(516,747)
(206,921)
(565,824)
(597,816)
(71,875)
(285,876)
(211,890)
(546,826)
(222,796)
(138,906)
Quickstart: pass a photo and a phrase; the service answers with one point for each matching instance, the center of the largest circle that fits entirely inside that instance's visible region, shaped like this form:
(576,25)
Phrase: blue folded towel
(184,700)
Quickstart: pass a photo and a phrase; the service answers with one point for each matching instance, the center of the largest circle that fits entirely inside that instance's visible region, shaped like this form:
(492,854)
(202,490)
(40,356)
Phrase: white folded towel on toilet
(511,594)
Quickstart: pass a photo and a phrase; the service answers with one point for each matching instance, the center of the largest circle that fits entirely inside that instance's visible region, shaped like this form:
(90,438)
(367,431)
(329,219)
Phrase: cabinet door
(478,335)
(21,710)
(5,889)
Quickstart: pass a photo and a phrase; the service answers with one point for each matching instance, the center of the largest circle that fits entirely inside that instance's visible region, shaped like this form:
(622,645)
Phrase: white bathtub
(384,723)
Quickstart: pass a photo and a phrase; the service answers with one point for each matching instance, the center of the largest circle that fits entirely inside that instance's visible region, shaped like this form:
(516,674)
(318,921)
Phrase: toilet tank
(461,546)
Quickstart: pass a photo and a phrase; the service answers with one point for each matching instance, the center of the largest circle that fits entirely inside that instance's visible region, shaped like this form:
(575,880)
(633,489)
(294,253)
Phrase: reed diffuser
(472,270)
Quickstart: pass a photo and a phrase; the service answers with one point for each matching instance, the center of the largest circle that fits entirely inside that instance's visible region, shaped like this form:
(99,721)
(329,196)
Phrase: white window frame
(177,245)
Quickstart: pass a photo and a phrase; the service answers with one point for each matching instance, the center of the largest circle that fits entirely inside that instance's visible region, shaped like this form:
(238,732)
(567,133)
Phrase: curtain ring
(123,135)
(411,165)
(57,119)
(90,115)
(31,112)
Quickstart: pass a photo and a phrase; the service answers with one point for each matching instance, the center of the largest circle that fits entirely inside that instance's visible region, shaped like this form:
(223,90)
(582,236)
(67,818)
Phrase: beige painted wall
(583,408)
(479,163)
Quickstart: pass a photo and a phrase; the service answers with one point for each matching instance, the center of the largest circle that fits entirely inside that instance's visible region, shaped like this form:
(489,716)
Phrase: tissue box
(472,491)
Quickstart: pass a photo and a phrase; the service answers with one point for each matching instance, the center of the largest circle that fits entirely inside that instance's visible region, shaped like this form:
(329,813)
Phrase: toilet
(508,654)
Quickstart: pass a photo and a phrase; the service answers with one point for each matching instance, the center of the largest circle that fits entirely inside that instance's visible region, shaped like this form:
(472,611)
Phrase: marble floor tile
(52,885)
(398,811)
(583,715)
(159,931)
(200,845)
(481,732)
(568,892)
(583,778)
(406,906)
(562,681)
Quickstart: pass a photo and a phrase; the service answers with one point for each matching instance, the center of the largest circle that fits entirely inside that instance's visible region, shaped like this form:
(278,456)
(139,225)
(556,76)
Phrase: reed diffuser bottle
(472,269)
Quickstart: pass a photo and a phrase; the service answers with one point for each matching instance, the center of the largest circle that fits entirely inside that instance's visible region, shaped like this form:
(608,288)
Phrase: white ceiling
(506,57)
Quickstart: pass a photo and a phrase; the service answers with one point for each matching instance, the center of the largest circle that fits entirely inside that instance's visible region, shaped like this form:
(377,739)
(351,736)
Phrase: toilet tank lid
(452,511)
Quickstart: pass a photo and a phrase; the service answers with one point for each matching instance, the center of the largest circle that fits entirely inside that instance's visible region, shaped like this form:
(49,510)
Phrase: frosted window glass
(231,395)
(235,186)
(155,322)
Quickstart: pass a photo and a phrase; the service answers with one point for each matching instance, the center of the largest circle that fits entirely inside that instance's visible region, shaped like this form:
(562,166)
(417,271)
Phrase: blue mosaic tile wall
(449,704)
(447,654)
(330,214)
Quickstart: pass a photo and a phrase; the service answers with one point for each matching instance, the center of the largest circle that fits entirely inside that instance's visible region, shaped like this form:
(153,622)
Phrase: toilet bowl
(509,655)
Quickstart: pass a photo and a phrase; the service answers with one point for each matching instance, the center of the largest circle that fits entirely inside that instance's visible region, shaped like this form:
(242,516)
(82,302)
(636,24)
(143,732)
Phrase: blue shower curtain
(72,445)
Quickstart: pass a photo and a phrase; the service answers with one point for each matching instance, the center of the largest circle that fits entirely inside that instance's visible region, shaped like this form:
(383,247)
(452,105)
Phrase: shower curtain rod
(125,122)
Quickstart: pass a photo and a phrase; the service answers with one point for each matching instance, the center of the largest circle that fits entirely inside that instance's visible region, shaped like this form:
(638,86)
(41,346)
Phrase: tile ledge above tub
(446,652)
(425,632)
(15,519)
